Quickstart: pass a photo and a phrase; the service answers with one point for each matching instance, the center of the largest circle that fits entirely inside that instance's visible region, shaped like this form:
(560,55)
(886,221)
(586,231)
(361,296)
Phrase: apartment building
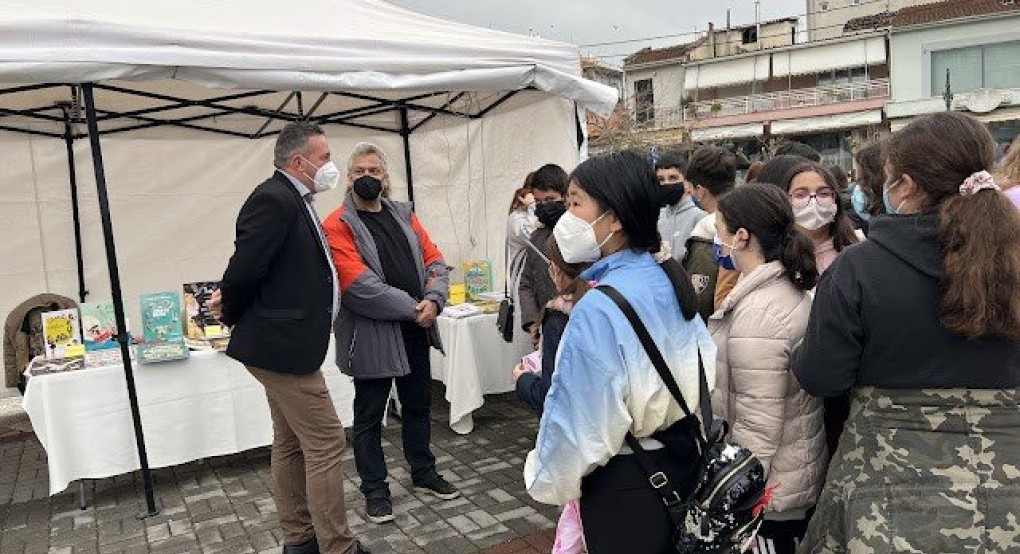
(826,18)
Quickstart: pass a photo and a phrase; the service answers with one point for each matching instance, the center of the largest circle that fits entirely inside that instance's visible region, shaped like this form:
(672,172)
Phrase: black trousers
(780,537)
(621,512)
(415,393)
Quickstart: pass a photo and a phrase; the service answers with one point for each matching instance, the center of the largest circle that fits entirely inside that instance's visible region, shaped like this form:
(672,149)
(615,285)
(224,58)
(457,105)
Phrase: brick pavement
(224,505)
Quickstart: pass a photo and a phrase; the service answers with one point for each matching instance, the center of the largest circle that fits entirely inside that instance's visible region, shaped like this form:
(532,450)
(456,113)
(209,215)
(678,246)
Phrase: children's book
(202,330)
(62,334)
(477,278)
(162,328)
(99,326)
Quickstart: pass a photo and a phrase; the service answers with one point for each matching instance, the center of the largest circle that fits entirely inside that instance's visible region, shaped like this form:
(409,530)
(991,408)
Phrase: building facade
(976,46)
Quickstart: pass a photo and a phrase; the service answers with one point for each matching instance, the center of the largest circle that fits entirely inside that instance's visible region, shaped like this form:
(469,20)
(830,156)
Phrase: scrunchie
(978,181)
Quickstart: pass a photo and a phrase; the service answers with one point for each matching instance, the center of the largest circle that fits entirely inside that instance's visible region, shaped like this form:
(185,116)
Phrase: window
(856,2)
(974,67)
(644,101)
(842,76)
(823,7)
(749,36)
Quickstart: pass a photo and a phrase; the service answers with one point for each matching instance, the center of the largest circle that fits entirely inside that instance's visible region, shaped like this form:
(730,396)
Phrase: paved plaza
(225,504)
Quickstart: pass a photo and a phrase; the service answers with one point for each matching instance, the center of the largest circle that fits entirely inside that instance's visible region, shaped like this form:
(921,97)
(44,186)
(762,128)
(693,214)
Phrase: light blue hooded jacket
(605,384)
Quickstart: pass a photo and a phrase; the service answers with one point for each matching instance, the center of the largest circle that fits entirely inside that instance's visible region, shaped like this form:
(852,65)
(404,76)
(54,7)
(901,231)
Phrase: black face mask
(671,194)
(548,213)
(368,188)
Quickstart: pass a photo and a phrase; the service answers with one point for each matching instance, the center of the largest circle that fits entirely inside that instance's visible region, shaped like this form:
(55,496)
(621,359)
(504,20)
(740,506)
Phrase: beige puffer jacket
(756,329)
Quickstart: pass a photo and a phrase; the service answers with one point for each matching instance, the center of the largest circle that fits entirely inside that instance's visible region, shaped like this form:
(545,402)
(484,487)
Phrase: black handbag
(724,513)
(505,319)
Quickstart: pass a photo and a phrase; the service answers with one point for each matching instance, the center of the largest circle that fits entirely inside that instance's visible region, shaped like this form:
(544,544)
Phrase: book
(477,278)
(461,311)
(533,362)
(202,331)
(162,328)
(99,326)
(41,366)
(62,334)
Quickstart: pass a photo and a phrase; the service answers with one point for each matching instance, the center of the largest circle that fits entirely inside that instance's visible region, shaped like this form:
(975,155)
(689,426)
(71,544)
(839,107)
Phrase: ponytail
(948,155)
(980,290)
(798,258)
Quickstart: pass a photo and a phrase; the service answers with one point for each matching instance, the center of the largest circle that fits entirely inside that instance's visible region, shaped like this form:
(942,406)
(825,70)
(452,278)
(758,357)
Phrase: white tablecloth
(477,362)
(205,406)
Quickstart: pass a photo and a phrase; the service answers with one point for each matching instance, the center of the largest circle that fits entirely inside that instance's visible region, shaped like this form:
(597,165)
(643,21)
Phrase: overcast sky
(585,22)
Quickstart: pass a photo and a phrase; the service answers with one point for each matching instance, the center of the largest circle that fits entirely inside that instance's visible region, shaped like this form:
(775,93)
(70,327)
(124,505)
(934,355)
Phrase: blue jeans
(415,394)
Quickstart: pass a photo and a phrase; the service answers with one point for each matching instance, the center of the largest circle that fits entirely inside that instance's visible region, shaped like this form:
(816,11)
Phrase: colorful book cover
(62,334)
(162,328)
(477,277)
(99,326)
(202,330)
(46,367)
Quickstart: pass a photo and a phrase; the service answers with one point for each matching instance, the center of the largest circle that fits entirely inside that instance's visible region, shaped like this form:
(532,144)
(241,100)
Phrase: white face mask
(814,216)
(326,177)
(576,239)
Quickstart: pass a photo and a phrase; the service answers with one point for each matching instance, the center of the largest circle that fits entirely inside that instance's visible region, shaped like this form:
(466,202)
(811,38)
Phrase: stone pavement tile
(225,504)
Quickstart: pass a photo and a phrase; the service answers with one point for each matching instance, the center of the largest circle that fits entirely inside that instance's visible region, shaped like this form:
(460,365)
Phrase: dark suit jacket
(278,286)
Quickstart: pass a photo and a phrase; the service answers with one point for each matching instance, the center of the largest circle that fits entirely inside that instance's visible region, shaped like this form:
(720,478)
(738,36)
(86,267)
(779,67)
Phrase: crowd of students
(861,338)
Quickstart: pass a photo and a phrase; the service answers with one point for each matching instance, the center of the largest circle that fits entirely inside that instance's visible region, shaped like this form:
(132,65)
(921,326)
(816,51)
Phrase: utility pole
(948,94)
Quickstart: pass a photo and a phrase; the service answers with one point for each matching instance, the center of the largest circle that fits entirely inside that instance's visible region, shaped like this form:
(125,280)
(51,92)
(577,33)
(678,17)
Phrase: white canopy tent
(469,110)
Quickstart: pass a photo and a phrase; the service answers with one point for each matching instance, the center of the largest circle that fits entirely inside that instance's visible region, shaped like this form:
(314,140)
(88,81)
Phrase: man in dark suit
(279,293)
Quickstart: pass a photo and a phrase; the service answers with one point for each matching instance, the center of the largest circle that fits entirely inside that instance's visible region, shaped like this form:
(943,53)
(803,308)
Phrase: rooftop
(930,13)
(650,55)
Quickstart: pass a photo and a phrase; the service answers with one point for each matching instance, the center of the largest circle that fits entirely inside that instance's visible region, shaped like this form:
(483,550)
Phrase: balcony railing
(666,117)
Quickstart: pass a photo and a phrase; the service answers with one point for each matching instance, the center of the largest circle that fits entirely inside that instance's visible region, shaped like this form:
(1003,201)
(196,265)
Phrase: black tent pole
(405,133)
(75,213)
(123,336)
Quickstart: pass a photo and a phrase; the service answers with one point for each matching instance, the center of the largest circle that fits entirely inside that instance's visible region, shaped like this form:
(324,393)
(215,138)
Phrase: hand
(215,304)
(517,371)
(427,311)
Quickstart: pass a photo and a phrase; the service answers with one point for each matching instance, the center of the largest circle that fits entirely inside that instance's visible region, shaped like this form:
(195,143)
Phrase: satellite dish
(983,100)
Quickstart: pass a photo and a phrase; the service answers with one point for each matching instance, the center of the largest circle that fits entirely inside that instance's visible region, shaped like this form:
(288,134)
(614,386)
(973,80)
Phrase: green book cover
(162,328)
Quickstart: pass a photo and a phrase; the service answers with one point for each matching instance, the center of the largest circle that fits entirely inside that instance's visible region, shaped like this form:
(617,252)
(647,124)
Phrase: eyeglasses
(824,197)
(373,171)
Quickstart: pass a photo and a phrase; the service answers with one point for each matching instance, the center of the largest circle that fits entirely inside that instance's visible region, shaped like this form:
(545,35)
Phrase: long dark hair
(767,215)
(841,229)
(624,183)
(979,234)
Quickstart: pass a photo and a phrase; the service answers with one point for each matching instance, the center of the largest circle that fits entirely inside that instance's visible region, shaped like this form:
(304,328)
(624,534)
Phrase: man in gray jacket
(679,215)
(394,283)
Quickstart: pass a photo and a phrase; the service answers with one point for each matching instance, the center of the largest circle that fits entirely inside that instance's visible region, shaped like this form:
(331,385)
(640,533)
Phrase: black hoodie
(875,321)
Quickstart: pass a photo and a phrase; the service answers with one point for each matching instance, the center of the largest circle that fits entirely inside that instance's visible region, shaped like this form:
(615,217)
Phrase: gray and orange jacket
(369,341)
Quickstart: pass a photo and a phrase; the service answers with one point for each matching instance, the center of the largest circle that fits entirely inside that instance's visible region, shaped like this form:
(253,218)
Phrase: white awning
(726,72)
(728,132)
(870,51)
(826,123)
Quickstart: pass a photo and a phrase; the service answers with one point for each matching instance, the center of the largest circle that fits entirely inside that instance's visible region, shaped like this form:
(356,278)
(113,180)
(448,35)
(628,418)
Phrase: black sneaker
(439,488)
(311,546)
(379,510)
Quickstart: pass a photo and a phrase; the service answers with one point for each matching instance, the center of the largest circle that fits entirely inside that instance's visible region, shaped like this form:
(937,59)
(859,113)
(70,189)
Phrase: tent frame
(69,115)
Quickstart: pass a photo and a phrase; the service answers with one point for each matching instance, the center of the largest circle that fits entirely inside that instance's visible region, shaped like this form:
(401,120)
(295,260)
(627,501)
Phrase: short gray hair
(293,139)
(365,148)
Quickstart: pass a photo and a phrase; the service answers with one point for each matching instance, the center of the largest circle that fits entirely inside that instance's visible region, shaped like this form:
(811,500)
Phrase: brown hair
(871,174)
(1009,172)
(841,229)
(979,234)
(578,286)
(753,171)
(516,203)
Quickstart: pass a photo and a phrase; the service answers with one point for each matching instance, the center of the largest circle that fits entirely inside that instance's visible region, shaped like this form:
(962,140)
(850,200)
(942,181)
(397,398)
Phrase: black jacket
(536,288)
(875,321)
(532,388)
(700,264)
(278,286)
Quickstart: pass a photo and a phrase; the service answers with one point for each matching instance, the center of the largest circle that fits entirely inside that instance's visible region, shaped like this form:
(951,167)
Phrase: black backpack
(724,512)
